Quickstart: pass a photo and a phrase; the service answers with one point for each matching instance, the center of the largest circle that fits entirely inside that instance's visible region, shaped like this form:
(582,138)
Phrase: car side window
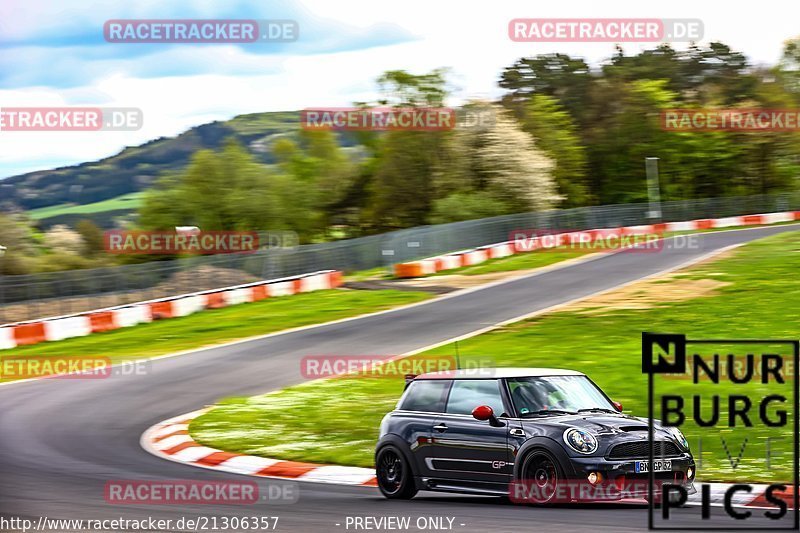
(426,395)
(467,394)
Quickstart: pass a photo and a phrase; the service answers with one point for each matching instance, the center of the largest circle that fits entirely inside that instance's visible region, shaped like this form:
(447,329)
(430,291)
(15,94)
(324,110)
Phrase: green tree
(556,133)
(407,164)
(16,238)
(466,206)
(225,190)
(315,177)
(92,236)
(404,184)
(563,77)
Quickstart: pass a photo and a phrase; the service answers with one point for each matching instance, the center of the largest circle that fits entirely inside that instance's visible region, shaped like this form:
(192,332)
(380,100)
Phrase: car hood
(597,423)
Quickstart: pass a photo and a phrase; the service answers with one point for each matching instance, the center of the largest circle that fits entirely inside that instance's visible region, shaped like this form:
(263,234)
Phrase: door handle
(516,432)
(440,427)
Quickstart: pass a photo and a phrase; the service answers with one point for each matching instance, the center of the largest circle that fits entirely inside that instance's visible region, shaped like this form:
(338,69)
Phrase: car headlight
(580,440)
(678,435)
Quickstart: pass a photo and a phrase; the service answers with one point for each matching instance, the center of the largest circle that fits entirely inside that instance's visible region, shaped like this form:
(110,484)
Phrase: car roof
(495,373)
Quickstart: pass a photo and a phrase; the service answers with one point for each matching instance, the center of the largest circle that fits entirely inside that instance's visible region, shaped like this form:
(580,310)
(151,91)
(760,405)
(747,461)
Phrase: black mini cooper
(538,435)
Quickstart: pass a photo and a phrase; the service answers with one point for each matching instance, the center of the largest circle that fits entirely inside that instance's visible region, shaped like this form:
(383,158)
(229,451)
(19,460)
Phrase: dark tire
(542,474)
(395,478)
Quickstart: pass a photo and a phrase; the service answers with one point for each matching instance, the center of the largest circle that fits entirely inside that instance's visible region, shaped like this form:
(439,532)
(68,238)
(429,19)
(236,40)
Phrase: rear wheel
(395,479)
(541,476)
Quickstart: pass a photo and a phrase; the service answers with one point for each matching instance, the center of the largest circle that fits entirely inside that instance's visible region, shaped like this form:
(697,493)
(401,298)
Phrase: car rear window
(467,394)
(426,395)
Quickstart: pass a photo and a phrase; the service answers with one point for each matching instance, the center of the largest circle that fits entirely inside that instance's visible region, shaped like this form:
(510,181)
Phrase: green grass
(220,325)
(126,201)
(265,123)
(337,421)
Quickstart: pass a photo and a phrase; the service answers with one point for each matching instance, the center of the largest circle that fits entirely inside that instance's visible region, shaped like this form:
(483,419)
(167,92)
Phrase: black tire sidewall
(407,488)
(559,469)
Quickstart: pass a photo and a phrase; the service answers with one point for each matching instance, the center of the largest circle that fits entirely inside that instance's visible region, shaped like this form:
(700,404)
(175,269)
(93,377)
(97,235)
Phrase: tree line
(564,135)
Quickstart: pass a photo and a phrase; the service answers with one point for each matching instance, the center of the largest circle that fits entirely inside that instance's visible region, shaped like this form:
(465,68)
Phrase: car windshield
(557,394)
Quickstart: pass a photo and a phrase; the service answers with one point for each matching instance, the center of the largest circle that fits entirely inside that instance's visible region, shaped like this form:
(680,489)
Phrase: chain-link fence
(58,293)
(427,241)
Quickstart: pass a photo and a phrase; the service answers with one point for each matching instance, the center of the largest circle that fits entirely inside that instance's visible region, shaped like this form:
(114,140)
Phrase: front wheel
(395,479)
(541,475)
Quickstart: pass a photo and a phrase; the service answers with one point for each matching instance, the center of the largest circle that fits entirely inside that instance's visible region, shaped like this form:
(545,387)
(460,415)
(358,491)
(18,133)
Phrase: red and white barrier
(445,262)
(66,327)
(187,306)
(689,225)
(132,315)
(474,257)
(496,251)
(238,296)
(7,339)
(284,288)
(424,267)
(776,218)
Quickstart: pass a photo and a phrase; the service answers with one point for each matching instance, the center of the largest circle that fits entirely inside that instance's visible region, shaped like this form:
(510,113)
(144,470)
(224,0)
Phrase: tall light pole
(653,187)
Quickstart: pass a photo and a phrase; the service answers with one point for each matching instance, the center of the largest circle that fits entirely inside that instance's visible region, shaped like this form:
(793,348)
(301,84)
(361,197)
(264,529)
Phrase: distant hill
(135,168)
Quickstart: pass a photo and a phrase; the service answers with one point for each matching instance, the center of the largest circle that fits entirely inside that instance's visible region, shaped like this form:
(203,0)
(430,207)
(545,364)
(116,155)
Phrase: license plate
(658,466)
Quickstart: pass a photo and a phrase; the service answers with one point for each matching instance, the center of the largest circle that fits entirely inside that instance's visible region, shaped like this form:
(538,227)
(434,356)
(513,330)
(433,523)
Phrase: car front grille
(641,449)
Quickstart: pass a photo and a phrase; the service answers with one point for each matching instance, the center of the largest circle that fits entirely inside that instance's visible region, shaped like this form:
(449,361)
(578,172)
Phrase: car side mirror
(483,413)
(617,406)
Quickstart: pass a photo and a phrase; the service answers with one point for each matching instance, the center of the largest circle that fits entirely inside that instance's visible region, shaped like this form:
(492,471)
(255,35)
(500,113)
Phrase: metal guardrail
(33,296)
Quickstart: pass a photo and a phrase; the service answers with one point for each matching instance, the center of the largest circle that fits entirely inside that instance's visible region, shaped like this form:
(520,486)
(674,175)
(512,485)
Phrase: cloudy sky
(52,53)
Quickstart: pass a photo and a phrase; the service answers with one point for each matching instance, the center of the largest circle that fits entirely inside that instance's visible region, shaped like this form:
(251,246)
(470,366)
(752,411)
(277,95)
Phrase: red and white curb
(170,440)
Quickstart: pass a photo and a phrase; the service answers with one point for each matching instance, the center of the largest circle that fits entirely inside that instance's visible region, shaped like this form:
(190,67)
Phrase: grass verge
(215,326)
(126,201)
(336,421)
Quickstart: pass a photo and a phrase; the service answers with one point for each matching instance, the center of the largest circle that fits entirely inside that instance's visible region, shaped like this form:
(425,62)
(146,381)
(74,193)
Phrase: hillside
(135,168)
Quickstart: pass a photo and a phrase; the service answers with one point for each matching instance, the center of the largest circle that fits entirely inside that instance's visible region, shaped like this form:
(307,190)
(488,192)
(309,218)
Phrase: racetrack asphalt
(61,440)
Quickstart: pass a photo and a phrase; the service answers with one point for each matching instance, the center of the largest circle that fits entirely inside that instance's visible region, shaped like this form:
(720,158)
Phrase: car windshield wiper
(599,409)
(551,412)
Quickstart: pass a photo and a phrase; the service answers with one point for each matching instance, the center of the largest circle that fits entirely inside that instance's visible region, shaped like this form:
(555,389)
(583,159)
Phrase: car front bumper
(617,479)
